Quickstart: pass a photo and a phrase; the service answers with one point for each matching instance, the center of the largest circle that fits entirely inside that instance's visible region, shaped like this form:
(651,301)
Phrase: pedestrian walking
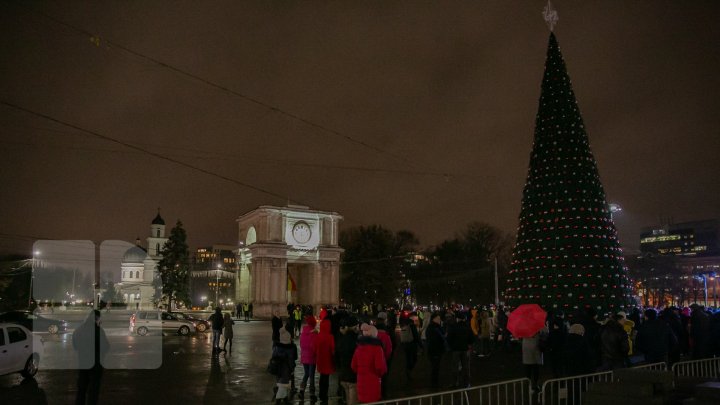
(227,331)
(216,322)
(324,357)
(91,344)
(368,363)
(308,336)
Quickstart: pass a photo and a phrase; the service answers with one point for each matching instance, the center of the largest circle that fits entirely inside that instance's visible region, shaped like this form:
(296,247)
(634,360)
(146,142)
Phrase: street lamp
(613,208)
(217,282)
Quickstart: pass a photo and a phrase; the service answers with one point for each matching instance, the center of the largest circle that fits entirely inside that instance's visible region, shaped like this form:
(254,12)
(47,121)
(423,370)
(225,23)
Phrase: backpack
(406,335)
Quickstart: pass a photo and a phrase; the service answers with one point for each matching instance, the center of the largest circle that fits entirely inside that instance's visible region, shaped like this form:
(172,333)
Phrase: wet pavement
(189,374)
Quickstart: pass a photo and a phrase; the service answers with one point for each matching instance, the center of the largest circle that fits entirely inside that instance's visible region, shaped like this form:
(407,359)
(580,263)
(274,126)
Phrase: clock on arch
(302,232)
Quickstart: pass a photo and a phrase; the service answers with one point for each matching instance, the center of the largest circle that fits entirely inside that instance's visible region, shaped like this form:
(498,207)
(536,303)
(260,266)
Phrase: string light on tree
(567,253)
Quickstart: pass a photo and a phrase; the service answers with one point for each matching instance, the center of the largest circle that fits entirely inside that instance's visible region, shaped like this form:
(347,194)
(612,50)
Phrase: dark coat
(216,320)
(435,339)
(614,343)
(459,336)
(655,340)
(344,354)
(577,355)
(276,324)
(287,355)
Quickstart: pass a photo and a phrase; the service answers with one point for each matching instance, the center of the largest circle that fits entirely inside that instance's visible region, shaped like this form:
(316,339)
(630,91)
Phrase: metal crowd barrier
(709,368)
(512,392)
(662,366)
(570,390)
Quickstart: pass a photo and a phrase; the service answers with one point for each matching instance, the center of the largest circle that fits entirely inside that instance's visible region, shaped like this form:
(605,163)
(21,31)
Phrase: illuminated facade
(699,238)
(679,264)
(139,267)
(288,254)
(212,279)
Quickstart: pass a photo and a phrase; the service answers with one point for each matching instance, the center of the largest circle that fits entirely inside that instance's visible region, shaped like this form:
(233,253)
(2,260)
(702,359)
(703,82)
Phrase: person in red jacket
(324,357)
(369,364)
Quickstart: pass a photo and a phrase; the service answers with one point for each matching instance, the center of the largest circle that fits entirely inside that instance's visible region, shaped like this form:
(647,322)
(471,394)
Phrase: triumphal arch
(288,254)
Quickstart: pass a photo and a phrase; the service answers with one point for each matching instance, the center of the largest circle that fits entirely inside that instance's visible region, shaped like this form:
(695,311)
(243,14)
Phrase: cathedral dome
(135,254)
(158,220)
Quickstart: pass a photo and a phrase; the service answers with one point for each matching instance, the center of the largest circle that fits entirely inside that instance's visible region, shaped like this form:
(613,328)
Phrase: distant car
(20,350)
(35,323)
(201,325)
(144,322)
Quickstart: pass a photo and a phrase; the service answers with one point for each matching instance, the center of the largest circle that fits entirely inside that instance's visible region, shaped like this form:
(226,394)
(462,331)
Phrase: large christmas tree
(567,254)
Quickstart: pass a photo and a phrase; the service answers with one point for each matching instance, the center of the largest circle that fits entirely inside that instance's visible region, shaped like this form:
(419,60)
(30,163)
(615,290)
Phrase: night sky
(412,115)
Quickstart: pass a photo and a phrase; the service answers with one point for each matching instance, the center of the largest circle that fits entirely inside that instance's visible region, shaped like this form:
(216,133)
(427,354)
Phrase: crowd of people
(359,347)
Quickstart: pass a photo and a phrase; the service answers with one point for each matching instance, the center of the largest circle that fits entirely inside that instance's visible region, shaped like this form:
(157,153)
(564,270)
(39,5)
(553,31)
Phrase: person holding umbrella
(527,322)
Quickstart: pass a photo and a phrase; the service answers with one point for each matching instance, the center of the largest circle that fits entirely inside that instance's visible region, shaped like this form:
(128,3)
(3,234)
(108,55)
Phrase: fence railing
(570,390)
(512,392)
(662,366)
(709,368)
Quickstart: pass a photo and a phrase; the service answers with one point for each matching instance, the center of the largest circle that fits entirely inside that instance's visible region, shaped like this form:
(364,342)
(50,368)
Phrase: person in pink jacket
(307,356)
(369,364)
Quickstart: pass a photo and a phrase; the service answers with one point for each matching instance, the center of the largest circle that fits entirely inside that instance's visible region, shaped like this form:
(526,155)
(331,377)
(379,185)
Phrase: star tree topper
(550,15)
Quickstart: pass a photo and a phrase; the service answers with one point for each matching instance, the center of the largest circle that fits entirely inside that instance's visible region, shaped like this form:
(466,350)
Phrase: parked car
(201,325)
(20,350)
(144,322)
(35,323)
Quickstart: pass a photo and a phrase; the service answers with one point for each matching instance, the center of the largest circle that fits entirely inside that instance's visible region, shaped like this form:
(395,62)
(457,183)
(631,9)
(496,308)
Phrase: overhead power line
(96,39)
(146,151)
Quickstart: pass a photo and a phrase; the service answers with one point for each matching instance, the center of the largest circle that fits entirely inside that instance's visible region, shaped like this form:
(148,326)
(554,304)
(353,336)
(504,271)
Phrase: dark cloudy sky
(444,93)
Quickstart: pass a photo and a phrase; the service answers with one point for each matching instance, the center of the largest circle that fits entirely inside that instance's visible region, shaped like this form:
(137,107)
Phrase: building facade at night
(139,267)
(212,279)
(288,254)
(679,264)
(698,238)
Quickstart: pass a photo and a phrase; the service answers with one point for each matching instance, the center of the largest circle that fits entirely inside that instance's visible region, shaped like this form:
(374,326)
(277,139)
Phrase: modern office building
(212,279)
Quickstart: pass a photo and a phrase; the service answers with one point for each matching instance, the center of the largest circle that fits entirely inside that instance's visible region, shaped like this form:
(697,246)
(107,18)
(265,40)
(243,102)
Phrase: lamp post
(497,289)
(36,254)
(217,282)
(613,208)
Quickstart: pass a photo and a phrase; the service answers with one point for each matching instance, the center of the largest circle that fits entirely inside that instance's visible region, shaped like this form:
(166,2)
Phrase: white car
(20,350)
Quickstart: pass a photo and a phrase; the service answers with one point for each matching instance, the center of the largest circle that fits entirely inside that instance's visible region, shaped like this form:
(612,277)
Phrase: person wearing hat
(345,350)
(285,352)
(577,355)
(308,335)
(368,363)
(655,339)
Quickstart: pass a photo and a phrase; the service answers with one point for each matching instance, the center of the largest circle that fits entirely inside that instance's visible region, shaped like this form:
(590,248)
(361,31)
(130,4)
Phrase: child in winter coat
(308,335)
(285,352)
(369,364)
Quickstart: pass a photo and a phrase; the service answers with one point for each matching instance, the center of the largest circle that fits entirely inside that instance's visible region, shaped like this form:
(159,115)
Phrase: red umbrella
(526,320)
